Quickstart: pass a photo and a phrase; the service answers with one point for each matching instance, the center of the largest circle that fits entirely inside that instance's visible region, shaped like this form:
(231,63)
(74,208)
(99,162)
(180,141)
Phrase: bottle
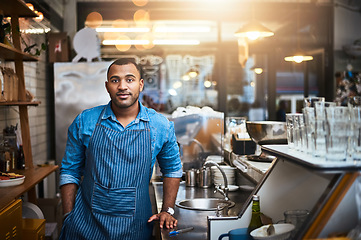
(256,215)
(21,159)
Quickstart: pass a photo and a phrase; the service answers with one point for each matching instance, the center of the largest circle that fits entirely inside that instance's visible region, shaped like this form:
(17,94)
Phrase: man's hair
(125,61)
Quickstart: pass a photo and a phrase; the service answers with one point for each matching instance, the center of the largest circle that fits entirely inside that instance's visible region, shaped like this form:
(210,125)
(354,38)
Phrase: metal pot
(267,132)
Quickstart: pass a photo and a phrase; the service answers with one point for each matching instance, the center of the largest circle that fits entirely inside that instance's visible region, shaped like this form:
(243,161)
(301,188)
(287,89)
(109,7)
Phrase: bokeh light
(141,18)
(111,35)
(119,23)
(140,3)
(94,20)
(125,47)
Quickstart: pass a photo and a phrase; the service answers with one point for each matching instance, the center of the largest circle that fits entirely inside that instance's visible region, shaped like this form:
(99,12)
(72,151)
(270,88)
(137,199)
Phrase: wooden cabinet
(16,9)
(299,181)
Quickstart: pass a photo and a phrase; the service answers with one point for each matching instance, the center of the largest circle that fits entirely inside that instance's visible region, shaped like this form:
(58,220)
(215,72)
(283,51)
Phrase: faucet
(218,188)
(199,144)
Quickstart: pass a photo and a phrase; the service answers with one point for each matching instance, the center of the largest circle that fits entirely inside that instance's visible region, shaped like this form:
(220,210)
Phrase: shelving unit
(33,175)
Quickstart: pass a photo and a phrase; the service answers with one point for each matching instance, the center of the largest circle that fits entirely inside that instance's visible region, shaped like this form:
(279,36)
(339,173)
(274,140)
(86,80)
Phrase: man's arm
(170,190)
(68,193)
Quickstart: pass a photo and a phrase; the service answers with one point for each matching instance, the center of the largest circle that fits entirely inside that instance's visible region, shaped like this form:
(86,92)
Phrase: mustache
(123,92)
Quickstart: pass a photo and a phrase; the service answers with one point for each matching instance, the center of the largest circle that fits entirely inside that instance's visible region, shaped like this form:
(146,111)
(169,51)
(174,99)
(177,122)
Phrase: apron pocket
(119,202)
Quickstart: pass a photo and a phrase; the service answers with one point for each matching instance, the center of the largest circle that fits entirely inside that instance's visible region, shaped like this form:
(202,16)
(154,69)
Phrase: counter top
(199,232)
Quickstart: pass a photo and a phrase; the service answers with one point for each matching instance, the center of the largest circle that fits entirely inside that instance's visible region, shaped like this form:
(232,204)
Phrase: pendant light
(300,55)
(253,29)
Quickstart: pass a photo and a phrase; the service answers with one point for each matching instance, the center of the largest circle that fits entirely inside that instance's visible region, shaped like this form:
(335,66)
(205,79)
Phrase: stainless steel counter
(189,220)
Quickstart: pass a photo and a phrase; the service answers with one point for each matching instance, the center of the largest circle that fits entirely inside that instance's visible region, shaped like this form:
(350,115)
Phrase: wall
(346,29)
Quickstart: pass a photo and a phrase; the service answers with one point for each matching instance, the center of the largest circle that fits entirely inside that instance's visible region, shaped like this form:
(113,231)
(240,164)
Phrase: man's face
(124,85)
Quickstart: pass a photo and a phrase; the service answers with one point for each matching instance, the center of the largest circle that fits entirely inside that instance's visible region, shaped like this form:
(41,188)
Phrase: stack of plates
(218,177)
(215,158)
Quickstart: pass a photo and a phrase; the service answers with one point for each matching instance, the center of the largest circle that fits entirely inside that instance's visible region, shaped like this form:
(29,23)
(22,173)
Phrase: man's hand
(165,219)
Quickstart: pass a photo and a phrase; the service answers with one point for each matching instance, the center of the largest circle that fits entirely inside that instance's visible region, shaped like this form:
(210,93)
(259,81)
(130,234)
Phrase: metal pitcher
(204,177)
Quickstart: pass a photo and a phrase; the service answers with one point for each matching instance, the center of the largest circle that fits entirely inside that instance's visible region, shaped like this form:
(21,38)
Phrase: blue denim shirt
(164,144)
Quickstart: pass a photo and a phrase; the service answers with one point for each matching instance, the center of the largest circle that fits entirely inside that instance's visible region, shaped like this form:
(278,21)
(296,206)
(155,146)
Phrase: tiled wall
(35,81)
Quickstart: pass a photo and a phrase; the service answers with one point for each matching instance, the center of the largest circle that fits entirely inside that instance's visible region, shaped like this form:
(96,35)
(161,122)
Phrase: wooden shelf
(10,54)
(35,103)
(16,7)
(32,177)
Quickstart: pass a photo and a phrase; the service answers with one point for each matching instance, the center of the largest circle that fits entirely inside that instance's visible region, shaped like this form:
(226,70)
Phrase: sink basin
(204,204)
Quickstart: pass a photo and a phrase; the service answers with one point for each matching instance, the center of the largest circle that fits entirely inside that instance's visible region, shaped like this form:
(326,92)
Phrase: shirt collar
(142,115)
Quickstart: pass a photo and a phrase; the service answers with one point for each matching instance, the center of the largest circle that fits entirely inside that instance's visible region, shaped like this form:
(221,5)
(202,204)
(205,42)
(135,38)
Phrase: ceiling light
(254,30)
(125,42)
(257,70)
(298,58)
(182,29)
(176,42)
(146,42)
(40,16)
(122,30)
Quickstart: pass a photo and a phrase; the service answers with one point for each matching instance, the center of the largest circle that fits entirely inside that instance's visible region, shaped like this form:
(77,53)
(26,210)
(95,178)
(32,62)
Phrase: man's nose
(122,84)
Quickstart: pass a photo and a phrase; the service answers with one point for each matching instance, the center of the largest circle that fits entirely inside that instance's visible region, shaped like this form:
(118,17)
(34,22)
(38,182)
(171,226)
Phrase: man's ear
(106,86)
(141,83)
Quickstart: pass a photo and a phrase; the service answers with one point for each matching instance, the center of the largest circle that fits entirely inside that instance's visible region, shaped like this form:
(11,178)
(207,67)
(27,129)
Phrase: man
(110,154)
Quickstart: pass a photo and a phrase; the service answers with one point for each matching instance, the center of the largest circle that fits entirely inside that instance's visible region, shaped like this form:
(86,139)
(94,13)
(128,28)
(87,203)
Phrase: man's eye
(130,80)
(114,81)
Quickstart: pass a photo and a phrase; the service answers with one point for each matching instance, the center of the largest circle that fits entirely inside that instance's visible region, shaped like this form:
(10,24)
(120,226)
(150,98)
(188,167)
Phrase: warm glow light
(253,35)
(125,42)
(193,74)
(254,30)
(30,6)
(298,58)
(186,77)
(177,84)
(36,30)
(181,29)
(172,92)
(148,42)
(258,70)
(252,84)
(40,16)
(146,38)
(176,42)
(140,3)
(141,17)
(111,35)
(122,30)
(207,84)
(94,20)
(119,23)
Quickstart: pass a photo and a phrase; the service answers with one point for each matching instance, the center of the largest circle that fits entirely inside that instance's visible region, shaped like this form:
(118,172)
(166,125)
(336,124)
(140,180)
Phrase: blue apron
(113,199)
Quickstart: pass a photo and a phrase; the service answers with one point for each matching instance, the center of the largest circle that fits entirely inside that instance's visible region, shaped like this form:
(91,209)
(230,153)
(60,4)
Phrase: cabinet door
(11,221)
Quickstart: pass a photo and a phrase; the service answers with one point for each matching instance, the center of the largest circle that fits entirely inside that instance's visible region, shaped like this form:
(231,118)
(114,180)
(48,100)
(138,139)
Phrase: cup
(290,126)
(297,218)
(236,234)
(319,141)
(298,131)
(355,136)
(309,122)
(310,101)
(191,178)
(337,133)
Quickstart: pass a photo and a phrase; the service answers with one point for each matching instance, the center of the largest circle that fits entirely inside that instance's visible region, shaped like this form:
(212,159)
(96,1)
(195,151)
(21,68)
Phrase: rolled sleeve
(66,179)
(169,157)
(72,166)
